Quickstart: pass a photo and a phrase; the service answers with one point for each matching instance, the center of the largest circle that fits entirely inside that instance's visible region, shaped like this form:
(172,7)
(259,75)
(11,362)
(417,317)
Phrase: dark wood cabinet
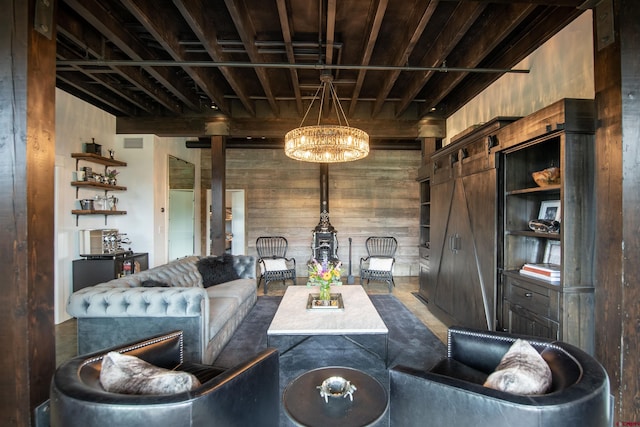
(560,135)
(460,284)
(88,272)
(482,197)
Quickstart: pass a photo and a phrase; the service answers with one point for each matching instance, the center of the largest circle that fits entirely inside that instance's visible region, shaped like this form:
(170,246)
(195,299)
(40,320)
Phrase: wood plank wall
(374,196)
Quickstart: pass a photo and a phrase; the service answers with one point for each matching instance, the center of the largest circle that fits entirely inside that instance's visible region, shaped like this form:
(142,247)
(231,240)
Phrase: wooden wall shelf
(90,157)
(79,212)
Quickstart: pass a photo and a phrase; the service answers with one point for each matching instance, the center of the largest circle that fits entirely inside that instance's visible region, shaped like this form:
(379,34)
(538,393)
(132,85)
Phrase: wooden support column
(218,191)
(27,157)
(617,311)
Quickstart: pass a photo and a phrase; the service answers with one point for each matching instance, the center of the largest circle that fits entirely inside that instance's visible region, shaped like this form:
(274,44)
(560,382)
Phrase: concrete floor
(66,342)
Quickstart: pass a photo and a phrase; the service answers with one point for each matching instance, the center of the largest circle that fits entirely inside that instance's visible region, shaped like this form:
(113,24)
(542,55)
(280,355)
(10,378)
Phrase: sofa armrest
(102,301)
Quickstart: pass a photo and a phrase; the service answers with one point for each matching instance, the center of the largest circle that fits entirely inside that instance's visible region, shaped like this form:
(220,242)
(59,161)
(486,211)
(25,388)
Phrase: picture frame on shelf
(550,210)
(552,253)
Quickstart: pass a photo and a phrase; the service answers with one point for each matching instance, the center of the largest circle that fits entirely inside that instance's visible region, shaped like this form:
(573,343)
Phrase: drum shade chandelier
(326,143)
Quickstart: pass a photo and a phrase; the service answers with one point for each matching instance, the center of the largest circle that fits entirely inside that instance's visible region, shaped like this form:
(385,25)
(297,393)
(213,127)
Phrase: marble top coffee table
(358,317)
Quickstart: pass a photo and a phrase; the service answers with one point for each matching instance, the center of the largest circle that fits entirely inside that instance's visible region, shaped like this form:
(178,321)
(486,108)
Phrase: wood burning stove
(325,240)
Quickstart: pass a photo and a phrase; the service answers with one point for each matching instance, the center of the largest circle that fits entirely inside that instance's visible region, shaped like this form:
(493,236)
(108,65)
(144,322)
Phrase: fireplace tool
(350,278)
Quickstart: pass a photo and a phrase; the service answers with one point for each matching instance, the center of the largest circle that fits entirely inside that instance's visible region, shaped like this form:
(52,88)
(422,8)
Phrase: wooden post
(617,87)
(27,158)
(218,191)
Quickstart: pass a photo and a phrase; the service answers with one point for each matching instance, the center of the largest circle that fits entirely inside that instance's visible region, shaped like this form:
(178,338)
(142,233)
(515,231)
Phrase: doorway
(181,218)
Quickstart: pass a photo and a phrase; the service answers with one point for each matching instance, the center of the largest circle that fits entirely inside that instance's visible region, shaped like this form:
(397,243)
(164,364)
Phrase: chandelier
(326,143)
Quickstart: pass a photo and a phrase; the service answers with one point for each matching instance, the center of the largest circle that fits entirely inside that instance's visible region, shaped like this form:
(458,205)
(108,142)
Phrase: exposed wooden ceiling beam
(165,31)
(534,34)
(475,47)
(330,32)
(288,42)
(240,15)
(94,44)
(265,128)
(201,22)
(463,18)
(373,30)
(114,30)
(106,82)
(85,90)
(414,31)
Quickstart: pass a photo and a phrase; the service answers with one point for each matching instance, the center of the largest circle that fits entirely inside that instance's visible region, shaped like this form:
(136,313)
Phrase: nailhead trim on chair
(509,339)
(143,344)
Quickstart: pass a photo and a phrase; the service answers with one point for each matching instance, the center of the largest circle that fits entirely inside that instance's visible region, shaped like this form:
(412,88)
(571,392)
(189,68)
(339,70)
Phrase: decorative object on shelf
(93,148)
(324,275)
(550,210)
(88,173)
(326,143)
(111,154)
(549,272)
(79,175)
(86,204)
(544,226)
(336,387)
(546,177)
(553,253)
(111,177)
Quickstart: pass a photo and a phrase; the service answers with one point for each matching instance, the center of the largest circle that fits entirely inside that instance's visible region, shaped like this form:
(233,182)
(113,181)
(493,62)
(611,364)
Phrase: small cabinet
(531,308)
(91,271)
(88,183)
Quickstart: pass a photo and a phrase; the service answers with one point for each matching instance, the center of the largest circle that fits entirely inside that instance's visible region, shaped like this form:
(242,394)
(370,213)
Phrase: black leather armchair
(247,394)
(452,393)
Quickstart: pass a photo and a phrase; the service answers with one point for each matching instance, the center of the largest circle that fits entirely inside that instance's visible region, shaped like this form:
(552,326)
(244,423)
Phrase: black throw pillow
(216,270)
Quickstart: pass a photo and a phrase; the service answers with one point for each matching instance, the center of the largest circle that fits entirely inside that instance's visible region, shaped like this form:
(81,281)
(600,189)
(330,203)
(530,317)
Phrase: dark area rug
(410,344)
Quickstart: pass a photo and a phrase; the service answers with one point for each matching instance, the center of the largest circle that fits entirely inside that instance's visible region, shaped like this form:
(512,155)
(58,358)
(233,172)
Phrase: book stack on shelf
(547,272)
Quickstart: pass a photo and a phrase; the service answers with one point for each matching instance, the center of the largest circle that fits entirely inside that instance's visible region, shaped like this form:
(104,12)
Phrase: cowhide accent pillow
(216,270)
(522,370)
(122,373)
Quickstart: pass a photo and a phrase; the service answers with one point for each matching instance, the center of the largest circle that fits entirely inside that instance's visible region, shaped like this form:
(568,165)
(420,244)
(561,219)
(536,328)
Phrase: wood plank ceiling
(160,65)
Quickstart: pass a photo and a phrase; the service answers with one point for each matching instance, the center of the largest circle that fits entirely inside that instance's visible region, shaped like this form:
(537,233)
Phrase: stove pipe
(325,241)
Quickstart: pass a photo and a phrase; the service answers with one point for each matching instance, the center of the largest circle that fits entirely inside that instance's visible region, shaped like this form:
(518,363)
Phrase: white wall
(148,225)
(76,122)
(561,68)
(145,177)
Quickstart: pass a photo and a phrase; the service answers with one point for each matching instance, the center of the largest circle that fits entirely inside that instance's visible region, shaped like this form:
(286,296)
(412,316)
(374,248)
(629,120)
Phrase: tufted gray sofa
(121,310)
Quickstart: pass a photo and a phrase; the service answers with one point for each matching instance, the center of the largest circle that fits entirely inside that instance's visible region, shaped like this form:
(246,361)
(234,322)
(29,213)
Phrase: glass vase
(325,291)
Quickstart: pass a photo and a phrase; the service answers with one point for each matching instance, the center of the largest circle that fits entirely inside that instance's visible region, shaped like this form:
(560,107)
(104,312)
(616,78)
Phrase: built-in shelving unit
(561,136)
(424,247)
